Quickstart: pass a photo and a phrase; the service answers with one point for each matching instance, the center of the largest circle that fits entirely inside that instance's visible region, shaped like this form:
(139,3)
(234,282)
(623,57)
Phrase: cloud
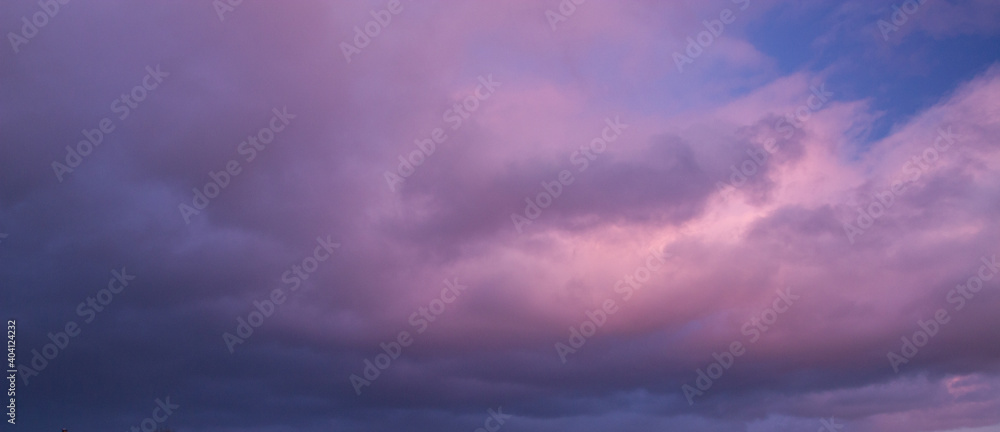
(665,184)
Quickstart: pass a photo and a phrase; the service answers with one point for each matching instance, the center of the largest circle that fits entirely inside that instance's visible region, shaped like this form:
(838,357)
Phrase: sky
(538,216)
